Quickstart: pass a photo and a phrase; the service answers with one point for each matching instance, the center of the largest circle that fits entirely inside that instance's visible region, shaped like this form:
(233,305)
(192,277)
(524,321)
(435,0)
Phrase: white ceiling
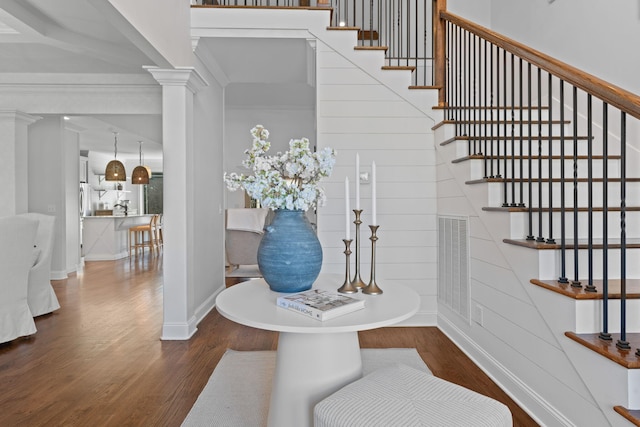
(73,36)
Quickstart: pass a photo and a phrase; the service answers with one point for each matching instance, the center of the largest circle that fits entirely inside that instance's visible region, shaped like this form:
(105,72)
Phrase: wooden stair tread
(508,138)
(568,209)
(608,349)
(494,107)
(632,415)
(384,48)
(554,157)
(489,122)
(614,285)
(567,180)
(343,28)
(399,67)
(425,87)
(582,244)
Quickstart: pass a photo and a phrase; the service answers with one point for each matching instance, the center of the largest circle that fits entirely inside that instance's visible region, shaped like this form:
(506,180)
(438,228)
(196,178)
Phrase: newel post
(439,26)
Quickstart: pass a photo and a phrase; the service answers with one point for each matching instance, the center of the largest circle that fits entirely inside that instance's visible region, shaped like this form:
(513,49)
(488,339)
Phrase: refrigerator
(85,200)
(85,209)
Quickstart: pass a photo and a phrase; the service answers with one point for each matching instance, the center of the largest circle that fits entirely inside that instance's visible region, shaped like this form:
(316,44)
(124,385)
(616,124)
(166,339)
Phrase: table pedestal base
(310,367)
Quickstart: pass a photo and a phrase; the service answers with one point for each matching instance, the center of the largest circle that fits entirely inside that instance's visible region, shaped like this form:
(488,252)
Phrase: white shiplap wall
(358,114)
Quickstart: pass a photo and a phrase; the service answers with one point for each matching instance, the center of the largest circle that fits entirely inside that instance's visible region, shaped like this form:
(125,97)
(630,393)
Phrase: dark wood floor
(99,360)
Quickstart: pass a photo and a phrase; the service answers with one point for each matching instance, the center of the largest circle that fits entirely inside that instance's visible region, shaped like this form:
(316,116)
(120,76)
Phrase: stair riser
(589,315)
(550,264)
(516,148)
(496,194)
(520,225)
(478,169)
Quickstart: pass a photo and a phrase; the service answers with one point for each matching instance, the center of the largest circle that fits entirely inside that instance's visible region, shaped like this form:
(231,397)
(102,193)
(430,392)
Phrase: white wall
(595,36)
(208,195)
(72,200)
(358,114)
(283,125)
(47,180)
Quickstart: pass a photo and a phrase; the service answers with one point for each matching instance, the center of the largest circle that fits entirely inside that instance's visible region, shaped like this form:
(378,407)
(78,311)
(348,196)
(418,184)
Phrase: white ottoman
(401,396)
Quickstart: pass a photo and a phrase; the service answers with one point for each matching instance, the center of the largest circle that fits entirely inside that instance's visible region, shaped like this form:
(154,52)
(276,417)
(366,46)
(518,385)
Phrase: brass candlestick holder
(347,287)
(372,288)
(357,280)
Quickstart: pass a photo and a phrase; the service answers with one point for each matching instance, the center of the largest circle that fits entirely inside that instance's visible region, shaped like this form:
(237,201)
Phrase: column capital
(182,76)
(16,116)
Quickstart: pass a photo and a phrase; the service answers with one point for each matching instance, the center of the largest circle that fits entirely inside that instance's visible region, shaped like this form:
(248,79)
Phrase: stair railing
(522,112)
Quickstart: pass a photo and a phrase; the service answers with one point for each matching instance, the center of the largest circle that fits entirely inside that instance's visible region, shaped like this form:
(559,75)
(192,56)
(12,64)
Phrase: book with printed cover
(320,304)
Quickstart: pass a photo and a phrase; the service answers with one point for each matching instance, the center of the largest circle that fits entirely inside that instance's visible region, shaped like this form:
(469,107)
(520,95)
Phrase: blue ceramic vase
(290,255)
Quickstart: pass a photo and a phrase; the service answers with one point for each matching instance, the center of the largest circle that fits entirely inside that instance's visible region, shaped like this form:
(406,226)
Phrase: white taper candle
(374,197)
(347,213)
(357,181)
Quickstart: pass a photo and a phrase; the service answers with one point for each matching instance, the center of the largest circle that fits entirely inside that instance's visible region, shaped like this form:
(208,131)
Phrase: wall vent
(453,264)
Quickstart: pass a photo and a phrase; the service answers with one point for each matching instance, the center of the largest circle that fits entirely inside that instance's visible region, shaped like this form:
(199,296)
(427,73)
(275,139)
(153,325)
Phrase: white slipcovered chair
(42,299)
(16,258)
(243,236)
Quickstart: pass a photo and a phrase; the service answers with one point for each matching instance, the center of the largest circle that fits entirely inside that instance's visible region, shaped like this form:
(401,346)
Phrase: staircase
(535,336)
(546,184)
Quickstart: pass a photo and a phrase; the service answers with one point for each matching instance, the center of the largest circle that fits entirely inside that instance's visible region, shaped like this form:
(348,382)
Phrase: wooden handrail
(607,92)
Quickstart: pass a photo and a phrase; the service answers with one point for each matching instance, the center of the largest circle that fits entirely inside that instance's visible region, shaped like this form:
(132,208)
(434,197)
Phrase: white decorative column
(14,171)
(178,89)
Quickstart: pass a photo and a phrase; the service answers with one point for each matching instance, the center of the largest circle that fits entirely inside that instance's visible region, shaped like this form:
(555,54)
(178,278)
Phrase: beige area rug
(237,394)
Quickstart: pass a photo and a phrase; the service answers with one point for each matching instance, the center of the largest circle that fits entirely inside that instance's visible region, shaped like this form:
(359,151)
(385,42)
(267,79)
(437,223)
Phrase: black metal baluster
(575,282)
(540,239)
(496,125)
(474,129)
(491,141)
(484,115)
(622,342)
(590,287)
(550,239)
(504,124)
(521,138)
(513,136)
(563,220)
(605,335)
(530,162)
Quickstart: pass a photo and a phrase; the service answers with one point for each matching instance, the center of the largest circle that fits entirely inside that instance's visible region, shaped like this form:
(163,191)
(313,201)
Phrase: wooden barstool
(137,236)
(158,230)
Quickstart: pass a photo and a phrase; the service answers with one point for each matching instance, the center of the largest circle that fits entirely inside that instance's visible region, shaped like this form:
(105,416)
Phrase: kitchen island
(105,238)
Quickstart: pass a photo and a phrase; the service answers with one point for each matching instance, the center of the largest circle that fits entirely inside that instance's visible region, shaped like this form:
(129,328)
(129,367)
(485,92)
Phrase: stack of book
(320,304)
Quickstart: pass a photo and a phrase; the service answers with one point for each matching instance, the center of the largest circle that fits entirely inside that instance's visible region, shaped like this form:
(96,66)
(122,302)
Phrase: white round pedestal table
(314,358)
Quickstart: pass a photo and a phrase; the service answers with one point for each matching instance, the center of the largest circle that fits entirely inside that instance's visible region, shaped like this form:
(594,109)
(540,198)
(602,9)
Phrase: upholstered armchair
(16,258)
(243,236)
(42,299)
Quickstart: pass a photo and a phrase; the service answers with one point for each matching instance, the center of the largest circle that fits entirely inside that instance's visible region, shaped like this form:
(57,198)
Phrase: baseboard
(208,305)
(521,393)
(179,331)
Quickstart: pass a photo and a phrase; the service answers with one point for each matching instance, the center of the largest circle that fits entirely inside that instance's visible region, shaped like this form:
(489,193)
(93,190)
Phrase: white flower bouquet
(286,180)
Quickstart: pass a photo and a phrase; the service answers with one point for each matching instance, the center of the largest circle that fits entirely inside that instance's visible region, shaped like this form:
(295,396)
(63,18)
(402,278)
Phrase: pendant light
(141,173)
(115,169)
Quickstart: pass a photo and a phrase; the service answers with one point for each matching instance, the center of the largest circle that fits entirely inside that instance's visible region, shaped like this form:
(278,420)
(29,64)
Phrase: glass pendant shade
(141,173)
(115,169)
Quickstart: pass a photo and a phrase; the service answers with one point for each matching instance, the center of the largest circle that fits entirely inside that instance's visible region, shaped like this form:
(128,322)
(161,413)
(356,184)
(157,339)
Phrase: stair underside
(608,349)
